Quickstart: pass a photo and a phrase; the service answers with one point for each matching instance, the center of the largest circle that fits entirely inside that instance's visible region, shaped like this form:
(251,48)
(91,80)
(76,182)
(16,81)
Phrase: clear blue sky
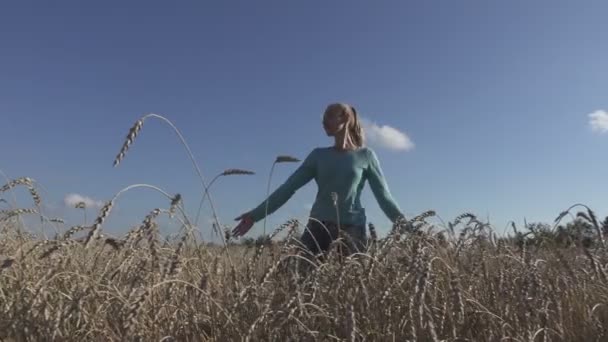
(495,96)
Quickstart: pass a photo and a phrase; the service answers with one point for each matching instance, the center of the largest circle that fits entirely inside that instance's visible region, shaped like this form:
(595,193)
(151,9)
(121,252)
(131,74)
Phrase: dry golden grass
(419,286)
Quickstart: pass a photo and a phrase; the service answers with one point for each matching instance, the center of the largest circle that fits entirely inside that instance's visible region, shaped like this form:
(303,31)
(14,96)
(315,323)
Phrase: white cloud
(387,136)
(71,200)
(599,121)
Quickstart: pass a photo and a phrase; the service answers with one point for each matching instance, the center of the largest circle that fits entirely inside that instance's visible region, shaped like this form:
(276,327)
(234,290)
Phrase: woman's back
(342,172)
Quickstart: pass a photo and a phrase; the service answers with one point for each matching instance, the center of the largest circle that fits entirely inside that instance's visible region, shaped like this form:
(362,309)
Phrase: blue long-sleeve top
(342,172)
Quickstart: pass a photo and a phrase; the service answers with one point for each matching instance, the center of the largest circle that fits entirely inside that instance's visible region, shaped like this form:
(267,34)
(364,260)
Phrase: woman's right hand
(244,226)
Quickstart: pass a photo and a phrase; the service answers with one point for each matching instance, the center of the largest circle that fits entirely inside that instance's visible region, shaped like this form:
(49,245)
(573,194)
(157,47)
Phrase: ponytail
(356,130)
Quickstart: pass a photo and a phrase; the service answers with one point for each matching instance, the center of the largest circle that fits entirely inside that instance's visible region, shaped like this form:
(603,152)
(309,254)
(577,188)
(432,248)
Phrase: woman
(340,172)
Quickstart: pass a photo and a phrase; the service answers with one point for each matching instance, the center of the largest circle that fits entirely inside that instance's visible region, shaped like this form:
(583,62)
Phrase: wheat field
(460,281)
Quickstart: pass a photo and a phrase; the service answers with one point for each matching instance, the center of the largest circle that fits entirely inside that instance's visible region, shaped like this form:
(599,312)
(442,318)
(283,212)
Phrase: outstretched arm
(303,174)
(380,189)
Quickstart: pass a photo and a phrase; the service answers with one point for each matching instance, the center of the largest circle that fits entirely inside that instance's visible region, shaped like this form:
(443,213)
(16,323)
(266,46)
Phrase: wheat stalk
(279,159)
(103,214)
(130,139)
(27,181)
(227,172)
(7,214)
(174,203)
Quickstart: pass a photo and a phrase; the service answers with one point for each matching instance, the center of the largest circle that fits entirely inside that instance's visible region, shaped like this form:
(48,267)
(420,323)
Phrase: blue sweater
(342,172)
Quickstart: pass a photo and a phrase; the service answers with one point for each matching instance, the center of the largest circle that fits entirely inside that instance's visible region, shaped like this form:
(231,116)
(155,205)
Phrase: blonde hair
(354,129)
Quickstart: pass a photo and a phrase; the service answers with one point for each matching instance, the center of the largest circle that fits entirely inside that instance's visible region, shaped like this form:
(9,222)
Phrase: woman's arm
(380,188)
(303,174)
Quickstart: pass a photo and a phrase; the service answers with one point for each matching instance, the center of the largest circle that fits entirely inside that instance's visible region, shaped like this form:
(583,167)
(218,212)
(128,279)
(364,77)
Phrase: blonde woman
(340,172)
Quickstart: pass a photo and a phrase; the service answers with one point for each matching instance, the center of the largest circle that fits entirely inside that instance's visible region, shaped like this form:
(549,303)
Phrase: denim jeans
(319,236)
